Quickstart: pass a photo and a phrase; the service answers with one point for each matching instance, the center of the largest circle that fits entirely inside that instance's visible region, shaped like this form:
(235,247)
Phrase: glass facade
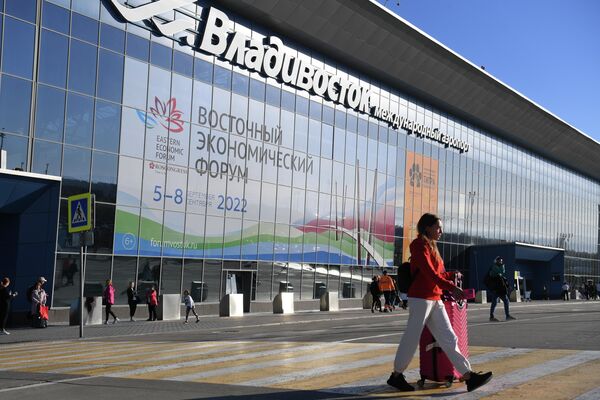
(200,167)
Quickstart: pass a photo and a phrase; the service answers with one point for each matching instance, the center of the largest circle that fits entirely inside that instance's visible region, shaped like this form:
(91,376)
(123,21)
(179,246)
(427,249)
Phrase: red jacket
(430,276)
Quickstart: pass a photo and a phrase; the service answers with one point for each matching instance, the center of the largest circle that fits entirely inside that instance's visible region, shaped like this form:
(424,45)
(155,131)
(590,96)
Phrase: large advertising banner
(210,189)
(420,195)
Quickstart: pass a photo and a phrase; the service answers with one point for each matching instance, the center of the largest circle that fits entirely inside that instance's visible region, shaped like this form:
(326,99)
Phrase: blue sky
(548,50)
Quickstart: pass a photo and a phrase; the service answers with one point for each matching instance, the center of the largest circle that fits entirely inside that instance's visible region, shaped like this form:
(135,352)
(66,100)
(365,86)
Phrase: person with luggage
(109,300)
(376,294)
(152,301)
(38,298)
(498,287)
(5,298)
(132,299)
(189,306)
(388,287)
(427,308)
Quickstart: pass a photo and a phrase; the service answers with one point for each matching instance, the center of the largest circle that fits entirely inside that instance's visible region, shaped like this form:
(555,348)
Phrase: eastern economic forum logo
(165,114)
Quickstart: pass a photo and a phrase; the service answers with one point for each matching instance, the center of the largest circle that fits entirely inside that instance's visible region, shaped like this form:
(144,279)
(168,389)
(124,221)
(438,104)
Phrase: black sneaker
(510,318)
(399,382)
(494,319)
(478,379)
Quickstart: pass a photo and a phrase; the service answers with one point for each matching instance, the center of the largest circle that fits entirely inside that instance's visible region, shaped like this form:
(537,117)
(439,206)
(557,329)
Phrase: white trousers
(433,314)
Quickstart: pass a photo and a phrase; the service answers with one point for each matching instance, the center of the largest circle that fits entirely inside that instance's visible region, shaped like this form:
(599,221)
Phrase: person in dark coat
(376,293)
(5,297)
(132,299)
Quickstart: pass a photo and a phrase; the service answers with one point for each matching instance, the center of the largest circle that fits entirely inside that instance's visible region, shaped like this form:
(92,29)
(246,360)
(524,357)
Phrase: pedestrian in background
(38,298)
(565,291)
(152,300)
(189,306)
(427,309)
(109,300)
(499,289)
(376,294)
(388,287)
(5,298)
(132,299)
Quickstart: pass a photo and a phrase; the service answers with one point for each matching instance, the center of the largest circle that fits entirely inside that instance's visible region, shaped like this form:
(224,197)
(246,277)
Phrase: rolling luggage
(434,364)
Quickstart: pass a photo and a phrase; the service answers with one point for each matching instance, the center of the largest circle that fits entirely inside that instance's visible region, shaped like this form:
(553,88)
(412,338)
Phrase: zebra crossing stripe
(324,353)
(141,356)
(379,383)
(276,380)
(23,361)
(593,394)
(506,381)
(194,363)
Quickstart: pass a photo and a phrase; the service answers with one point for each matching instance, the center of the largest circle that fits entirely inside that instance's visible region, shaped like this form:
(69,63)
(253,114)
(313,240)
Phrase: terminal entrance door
(244,282)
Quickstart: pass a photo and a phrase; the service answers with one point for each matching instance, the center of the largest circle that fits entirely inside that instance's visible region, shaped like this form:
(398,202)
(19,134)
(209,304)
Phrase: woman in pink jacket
(109,300)
(152,300)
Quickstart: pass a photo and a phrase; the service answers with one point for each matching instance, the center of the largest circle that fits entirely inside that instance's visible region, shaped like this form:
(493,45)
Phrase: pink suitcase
(434,363)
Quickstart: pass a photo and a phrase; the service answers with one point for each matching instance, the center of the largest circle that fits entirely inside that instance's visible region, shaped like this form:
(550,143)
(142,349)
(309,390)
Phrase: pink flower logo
(167,114)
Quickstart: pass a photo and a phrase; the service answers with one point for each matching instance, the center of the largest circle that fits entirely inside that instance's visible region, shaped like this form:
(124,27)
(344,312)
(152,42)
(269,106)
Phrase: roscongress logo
(166,114)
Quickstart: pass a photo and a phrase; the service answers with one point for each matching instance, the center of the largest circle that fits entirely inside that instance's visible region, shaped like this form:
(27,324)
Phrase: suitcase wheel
(449,382)
(421,383)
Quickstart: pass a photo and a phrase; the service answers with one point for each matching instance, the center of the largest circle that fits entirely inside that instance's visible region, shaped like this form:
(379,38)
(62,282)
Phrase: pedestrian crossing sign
(80,213)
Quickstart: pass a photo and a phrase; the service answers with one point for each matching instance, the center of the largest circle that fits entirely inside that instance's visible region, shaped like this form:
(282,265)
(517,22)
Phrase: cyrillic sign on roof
(270,58)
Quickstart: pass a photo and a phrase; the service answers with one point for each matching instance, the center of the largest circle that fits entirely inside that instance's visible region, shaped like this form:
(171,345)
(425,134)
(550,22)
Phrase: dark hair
(5,281)
(425,222)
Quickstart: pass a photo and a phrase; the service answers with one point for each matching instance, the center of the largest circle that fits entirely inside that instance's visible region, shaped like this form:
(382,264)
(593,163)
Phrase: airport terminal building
(260,146)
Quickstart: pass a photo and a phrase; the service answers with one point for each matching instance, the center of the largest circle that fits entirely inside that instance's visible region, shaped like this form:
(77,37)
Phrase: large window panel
(264,281)
(183,63)
(212,279)
(80,120)
(16,148)
(160,55)
(170,277)
(124,269)
(138,47)
(104,176)
(97,272)
(76,171)
(232,238)
(194,235)
(82,27)
(107,126)
(148,275)
(213,246)
(132,133)
(301,133)
(55,17)
(24,9)
(314,137)
(104,219)
(66,279)
(112,38)
(17,51)
(54,50)
(136,83)
(110,76)
(192,280)
(50,113)
(82,67)
(15,102)
(47,157)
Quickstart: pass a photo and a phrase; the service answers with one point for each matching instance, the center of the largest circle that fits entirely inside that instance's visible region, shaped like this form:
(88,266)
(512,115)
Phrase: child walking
(189,306)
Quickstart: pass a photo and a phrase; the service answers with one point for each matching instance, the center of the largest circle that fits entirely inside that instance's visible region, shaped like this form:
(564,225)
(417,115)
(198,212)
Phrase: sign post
(81,225)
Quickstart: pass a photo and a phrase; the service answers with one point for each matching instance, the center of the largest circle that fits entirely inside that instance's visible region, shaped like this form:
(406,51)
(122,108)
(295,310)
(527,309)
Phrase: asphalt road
(556,337)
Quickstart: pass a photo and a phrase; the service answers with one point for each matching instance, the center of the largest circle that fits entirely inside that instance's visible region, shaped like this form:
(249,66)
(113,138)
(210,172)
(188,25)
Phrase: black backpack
(405,278)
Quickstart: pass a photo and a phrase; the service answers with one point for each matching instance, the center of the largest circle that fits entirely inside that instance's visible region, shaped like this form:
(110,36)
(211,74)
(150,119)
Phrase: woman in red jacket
(426,307)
